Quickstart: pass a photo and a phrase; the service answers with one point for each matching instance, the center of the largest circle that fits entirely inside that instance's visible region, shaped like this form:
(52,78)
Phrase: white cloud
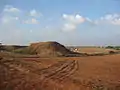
(16,18)
(35,13)
(9,8)
(88,19)
(109,19)
(69,27)
(9,19)
(9,14)
(116,22)
(76,19)
(31,21)
(72,21)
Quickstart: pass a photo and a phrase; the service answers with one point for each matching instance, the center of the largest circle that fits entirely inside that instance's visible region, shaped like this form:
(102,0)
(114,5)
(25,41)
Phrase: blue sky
(70,22)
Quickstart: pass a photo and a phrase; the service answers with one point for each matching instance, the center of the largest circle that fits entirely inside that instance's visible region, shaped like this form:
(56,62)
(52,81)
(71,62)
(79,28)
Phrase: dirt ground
(95,50)
(60,73)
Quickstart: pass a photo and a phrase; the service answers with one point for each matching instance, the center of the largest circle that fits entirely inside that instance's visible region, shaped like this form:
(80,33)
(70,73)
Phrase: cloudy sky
(70,22)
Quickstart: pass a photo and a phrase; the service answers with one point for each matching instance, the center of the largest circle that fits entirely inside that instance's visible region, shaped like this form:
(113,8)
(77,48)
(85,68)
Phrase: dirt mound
(49,49)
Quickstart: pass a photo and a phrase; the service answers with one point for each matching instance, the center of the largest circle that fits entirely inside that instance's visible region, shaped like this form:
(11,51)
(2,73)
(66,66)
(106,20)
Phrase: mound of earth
(49,49)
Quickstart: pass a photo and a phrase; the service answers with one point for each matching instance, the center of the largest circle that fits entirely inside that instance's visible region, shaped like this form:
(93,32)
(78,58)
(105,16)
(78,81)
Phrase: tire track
(65,70)
(65,74)
(53,75)
(59,72)
(53,68)
(61,69)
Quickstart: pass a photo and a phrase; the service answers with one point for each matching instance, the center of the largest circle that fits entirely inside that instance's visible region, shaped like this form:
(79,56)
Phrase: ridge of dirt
(49,49)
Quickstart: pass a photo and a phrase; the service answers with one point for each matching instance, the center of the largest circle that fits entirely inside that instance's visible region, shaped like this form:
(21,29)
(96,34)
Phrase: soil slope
(49,49)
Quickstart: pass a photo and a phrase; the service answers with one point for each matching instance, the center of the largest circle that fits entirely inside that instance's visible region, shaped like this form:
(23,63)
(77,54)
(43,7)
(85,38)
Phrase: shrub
(22,51)
(111,52)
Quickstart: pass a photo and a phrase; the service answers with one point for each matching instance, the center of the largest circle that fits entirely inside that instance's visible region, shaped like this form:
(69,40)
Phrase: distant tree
(111,52)
(0,47)
(109,47)
(114,47)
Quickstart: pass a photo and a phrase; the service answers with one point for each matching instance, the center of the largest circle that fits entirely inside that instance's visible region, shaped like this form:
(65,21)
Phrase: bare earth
(63,73)
(95,50)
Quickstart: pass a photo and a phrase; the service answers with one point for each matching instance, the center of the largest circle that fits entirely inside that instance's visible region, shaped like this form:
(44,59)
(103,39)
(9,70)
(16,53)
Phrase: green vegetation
(22,51)
(14,49)
(113,47)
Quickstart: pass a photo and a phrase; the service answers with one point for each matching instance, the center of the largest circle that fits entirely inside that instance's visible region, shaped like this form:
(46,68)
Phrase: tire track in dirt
(60,72)
(66,73)
(52,68)
(53,75)
(65,68)
(58,69)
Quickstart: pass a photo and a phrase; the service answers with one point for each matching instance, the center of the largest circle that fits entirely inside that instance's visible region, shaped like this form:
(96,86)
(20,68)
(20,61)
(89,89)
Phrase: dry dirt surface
(90,50)
(48,49)
(63,73)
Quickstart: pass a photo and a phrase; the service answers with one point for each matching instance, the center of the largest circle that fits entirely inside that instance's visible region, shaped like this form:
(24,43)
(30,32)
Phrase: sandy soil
(94,50)
(63,73)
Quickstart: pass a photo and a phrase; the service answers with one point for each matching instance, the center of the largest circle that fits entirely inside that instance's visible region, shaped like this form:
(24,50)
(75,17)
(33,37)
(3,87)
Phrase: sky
(69,22)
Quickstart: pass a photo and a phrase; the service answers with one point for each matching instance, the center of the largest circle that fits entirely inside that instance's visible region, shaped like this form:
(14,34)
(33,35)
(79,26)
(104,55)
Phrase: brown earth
(49,49)
(60,73)
(91,50)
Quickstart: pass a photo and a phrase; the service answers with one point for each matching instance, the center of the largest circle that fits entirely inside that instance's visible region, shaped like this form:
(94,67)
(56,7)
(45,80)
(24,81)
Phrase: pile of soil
(49,49)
